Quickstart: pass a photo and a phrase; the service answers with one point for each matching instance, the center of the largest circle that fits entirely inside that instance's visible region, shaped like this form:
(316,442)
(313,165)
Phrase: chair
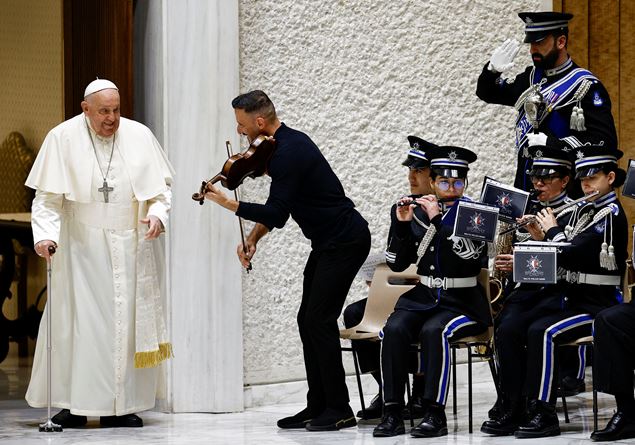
(584,341)
(385,289)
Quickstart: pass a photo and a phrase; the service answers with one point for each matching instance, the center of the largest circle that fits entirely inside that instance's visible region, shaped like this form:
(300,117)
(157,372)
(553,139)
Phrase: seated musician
(550,175)
(593,264)
(447,303)
(368,351)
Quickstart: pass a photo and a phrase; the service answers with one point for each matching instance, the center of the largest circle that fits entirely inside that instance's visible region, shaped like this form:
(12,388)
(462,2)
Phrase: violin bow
(228,145)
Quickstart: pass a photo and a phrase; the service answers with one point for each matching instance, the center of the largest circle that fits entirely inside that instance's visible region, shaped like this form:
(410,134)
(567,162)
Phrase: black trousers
(328,275)
(367,351)
(432,329)
(526,338)
(614,349)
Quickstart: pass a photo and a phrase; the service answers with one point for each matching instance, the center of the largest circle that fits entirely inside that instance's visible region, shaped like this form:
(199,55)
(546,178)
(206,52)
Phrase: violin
(251,163)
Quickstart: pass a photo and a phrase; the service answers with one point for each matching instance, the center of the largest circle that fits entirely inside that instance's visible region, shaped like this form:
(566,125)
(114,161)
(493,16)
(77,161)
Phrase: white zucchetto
(98,85)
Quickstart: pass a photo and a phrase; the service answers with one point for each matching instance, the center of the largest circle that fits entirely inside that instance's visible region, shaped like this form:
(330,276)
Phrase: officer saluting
(565,101)
(447,303)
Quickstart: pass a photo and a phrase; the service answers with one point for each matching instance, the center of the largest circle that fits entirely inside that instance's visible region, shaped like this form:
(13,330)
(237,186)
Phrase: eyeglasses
(444,185)
(544,179)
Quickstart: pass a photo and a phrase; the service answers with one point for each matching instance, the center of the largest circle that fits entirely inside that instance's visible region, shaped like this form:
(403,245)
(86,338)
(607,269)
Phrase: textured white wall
(358,77)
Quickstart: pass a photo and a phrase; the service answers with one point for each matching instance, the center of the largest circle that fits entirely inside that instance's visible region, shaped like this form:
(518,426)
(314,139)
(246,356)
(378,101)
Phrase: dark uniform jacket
(446,256)
(583,255)
(600,127)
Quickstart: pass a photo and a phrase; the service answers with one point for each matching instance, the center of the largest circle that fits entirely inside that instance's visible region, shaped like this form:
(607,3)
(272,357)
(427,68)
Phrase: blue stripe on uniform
(450,329)
(547,350)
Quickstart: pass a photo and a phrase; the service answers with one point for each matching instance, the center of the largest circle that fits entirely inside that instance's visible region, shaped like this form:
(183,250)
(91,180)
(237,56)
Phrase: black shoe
(298,420)
(505,424)
(419,408)
(67,420)
(495,411)
(619,427)
(126,421)
(544,423)
(391,423)
(433,424)
(332,420)
(570,386)
(372,411)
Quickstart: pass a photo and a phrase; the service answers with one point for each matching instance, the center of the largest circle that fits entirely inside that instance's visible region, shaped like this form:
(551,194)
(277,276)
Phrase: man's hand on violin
(219,197)
(245,257)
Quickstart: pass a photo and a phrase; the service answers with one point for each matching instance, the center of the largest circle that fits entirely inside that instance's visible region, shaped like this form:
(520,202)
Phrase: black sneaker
(372,411)
(332,420)
(391,423)
(505,424)
(298,420)
(67,420)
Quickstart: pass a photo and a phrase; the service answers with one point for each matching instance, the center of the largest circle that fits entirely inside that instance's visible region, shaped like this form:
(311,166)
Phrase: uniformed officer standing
(575,105)
(368,351)
(592,264)
(447,303)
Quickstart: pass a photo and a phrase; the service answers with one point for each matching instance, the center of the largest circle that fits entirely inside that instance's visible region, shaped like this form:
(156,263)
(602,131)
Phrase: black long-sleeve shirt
(304,186)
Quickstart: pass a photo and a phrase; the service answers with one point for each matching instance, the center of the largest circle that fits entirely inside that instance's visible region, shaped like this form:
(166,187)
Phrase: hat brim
(586,172)
(413,162)
(536,36)
(451,172)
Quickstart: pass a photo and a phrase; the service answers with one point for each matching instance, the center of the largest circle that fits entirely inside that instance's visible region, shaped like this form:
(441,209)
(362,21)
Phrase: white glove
(503,57)
(536,139)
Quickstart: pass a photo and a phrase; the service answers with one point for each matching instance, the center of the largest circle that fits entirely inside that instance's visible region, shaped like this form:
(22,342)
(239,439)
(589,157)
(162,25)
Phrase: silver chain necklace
(105,189)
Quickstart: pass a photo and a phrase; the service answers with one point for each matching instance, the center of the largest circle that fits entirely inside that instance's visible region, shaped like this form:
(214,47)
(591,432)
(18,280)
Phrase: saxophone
(498,279)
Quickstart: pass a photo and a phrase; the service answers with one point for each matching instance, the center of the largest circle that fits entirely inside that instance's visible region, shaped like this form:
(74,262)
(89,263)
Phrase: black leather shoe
(544,423)
(419,408)
(332,420)
(619,427)
(570,386)
(126,421)
(496,410)
(433,424)
(67,420)
(372,411)
(391,424)
(505,424)
(298,420)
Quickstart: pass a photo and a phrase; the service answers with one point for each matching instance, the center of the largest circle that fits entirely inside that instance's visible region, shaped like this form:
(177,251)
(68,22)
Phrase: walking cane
(49,426)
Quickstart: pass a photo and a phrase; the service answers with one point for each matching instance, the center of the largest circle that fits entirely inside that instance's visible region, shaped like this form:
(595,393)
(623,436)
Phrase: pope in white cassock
(102,198)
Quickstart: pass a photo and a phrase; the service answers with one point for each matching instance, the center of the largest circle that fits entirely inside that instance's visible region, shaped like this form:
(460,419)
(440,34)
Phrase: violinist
(592,264)
(447,303)
(304,187)
(368,351)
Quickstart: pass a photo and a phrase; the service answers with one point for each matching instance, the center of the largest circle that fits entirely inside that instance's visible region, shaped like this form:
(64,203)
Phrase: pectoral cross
(105,190)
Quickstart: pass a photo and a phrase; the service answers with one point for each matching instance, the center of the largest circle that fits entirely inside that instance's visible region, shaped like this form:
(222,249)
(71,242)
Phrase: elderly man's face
(102,110)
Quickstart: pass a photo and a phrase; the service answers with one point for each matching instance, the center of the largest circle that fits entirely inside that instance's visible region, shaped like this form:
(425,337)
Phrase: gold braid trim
(150,359)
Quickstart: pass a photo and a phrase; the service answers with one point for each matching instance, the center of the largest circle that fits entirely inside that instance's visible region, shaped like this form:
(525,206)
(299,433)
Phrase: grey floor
(257,425)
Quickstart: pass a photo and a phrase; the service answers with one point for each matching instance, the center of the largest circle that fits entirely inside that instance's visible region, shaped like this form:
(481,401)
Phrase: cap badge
(452,155)
(415,145)
(579,155)
(538,154)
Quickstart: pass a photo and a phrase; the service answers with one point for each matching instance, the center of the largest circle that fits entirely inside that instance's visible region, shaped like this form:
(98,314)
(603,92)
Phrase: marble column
(186,73)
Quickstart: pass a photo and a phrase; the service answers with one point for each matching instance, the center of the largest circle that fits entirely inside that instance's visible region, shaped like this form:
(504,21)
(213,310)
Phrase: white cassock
(106,309)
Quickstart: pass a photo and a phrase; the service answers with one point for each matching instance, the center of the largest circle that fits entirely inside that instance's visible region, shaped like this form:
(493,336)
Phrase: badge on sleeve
(597,99)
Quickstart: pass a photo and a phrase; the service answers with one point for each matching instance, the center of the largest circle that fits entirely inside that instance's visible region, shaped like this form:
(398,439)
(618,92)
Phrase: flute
(404,203)
(532,218)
